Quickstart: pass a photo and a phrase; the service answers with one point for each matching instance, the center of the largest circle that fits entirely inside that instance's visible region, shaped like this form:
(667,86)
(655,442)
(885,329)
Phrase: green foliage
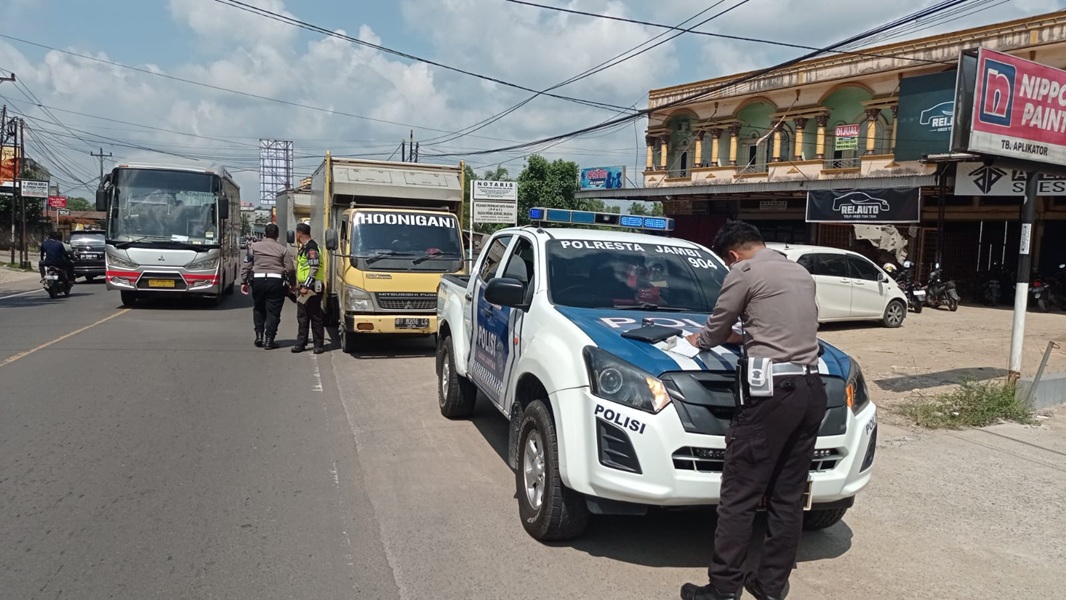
(498,174)
(80,204)
(246,225)
(548,184)
(972,404)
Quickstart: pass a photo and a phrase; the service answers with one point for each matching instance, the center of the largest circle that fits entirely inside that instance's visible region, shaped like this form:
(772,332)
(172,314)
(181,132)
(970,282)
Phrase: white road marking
(61,338)
(17,295)
(317,386)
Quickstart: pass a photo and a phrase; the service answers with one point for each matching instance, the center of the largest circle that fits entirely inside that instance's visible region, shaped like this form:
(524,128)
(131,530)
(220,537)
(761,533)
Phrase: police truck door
(520,265)
(489,352)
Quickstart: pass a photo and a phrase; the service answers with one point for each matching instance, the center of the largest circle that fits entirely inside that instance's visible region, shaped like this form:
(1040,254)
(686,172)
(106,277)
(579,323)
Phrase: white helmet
(889,268)
(907,264)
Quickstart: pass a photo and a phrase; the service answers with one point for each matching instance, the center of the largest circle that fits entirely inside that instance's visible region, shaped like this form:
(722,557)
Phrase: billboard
(1018,110)
(924,117)
(493,201)
(8,158)
(57,202)
(979,179)
(902,205)
(603,178)
(34,189)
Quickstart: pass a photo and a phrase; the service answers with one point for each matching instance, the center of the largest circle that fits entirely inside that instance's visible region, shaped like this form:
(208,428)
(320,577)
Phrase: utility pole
(3,140)
(101,156)
(20,165)
(1021,290)
(411,146)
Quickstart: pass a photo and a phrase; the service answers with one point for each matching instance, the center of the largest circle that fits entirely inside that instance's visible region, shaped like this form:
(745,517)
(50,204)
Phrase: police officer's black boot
(691,591)
(269,343)
(299,347)
(319,349)
(259,339)
(755,589)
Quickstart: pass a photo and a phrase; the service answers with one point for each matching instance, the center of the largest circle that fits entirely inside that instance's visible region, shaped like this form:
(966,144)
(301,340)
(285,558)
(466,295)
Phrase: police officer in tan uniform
(781,407)
(268,272)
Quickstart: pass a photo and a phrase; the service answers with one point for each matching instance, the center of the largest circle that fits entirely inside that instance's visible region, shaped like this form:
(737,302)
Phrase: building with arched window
(877,119)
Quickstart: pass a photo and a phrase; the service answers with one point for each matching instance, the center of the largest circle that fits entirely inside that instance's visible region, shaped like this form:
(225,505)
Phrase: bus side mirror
(223,208)
(331,240)
(101,199)
(290,236)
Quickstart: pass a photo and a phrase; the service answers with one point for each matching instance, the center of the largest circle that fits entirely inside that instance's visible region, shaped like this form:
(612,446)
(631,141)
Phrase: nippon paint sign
(1019,109)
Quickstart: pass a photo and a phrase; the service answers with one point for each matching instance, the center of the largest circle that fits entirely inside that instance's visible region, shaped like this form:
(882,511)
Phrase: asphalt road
(155,453)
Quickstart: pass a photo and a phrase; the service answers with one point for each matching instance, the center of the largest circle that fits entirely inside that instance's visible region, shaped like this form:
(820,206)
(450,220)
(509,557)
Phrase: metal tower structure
(275,169)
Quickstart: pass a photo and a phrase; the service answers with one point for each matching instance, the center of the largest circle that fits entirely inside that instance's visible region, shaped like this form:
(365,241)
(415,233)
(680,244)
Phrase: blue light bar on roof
(583,217)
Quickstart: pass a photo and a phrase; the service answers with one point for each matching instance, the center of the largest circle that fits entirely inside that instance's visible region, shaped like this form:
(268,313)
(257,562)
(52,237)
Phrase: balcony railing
(843,163)
(753,169)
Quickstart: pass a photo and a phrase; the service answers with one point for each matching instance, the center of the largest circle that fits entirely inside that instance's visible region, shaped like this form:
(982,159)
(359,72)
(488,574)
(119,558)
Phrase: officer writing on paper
(781,403)
(309,277)
(267,272)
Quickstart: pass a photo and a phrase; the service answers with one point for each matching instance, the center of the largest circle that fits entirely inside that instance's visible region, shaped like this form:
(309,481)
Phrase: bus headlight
(205,264)
(117,261)
(356,300)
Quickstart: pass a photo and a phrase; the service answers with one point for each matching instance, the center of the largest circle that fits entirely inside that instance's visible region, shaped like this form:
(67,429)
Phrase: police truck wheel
(548,509)
(455,394)
(895,312)
(128,298)
(816,520)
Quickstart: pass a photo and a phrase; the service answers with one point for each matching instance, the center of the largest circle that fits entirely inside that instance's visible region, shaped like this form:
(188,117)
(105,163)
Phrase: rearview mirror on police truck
(506,291)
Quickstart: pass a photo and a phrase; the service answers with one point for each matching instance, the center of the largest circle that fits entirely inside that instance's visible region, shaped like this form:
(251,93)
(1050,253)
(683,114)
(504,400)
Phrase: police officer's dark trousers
(268,298)
(310,314)
(768,452)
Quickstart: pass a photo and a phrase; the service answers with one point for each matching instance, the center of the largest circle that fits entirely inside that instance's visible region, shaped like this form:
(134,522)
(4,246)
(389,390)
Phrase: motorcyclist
(54,254)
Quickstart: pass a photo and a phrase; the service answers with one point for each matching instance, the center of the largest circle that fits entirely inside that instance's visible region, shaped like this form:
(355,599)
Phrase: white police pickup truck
(550,327)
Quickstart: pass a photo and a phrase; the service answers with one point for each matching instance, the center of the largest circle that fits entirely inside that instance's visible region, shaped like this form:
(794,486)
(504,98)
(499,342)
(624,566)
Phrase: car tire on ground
(349,341)
(548,509)
(895,312)
(456,394)
(128,298)
(816,520)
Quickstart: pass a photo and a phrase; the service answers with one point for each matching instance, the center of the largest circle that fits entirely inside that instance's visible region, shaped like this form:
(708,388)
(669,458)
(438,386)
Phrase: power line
(928,11)
(317,29)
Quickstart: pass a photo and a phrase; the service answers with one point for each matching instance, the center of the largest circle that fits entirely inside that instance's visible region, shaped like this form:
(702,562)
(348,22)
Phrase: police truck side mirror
(101,199)
(290,236)
(506,291)
(331,240)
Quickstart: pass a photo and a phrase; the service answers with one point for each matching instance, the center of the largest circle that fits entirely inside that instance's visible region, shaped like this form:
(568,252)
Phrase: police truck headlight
(203,264)
(356,299)
(118,261)
(857,395)
(612,378)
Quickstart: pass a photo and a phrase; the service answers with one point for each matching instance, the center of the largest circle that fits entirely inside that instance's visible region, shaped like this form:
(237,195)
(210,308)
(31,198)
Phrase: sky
(200,82)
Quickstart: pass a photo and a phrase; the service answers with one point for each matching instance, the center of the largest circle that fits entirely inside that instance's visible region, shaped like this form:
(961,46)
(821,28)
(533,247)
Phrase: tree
(549,185)
(246,224)
(80,204)
(498,174)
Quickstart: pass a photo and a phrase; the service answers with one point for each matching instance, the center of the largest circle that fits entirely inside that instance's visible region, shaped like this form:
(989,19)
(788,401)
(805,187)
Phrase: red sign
(1019,109)
(57,202)
(847,131)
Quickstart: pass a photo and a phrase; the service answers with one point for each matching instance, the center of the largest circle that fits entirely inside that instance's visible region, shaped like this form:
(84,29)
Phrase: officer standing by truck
(309,277)
(781,404)
(268,273)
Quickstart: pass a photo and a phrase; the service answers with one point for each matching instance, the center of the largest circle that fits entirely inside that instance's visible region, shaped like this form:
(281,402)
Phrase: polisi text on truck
(613,416)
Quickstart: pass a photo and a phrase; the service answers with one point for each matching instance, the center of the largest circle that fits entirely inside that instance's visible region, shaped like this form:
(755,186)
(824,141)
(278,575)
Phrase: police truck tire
(816,520)
(456,394)
(128,298)
(548,509)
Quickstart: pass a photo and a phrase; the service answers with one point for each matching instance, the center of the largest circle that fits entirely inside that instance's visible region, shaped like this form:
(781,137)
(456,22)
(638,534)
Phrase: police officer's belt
(793,369)
(267,275)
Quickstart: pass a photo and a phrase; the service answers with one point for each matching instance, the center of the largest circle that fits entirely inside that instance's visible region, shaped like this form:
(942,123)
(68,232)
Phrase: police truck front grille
(402,301)
(615,449)
(711,460)
(705,404)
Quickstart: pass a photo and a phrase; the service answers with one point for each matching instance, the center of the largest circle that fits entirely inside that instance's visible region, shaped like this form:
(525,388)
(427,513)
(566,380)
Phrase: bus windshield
(400,241)
(153,205)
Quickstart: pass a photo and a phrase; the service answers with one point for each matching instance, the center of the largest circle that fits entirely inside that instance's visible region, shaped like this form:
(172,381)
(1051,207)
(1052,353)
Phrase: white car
(850,286)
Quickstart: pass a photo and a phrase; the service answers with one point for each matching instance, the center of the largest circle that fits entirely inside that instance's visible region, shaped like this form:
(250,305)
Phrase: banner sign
(978,179)
(1019,109)
(495,212)
(8,160)
(846,137)
(603,178)
(57,202)
(926,108)
(34,189)
(484,189)
(902,205)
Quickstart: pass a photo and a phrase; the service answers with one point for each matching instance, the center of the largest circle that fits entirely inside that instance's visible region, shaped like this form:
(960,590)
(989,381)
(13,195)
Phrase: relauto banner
(864,206)
(1019,109)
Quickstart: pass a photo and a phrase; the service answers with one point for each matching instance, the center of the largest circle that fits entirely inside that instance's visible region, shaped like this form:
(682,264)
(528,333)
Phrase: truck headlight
(204,264)
(858,397)
(614,379)
(118,261)
(356,300)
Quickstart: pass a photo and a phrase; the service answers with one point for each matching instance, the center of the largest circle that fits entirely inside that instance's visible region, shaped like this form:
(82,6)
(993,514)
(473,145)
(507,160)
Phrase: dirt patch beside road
(937,349)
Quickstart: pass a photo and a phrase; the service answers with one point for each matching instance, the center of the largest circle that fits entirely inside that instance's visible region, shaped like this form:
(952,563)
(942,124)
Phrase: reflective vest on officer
(309,257)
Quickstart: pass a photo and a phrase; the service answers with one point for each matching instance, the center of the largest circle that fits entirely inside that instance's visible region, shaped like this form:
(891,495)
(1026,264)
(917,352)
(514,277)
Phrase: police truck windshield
(395,241)
(153,205)
(612,274)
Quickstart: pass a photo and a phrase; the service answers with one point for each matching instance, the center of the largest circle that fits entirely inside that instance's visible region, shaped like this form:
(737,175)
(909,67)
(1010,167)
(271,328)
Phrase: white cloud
(214,21)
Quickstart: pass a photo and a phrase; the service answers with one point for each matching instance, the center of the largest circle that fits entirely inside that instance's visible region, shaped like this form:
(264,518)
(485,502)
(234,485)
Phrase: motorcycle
(941,293)
(1054,286)
(914,292)
(990,286)
(1040,295)
(55,282)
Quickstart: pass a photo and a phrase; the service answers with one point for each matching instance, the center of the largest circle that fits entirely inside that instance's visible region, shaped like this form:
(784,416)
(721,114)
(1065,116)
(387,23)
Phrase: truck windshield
(613,274)
(156,205)
(393,241)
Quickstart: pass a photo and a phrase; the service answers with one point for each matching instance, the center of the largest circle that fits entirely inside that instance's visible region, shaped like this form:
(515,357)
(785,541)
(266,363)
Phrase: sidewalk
(14,281)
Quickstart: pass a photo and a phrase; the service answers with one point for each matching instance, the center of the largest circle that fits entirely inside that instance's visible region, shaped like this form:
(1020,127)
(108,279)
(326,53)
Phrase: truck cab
(576,336)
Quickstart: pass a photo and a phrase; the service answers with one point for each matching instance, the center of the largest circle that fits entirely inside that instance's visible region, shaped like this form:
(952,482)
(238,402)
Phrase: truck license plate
(412,323)
(161,283)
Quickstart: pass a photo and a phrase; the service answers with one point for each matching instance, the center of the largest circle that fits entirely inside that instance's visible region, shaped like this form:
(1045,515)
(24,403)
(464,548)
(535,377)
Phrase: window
(807,262)
(493,256)
(860,268)
(520,265)
(830,265)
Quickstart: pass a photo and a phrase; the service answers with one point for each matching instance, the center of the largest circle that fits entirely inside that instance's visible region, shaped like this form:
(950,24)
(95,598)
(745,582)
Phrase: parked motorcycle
(1040,294)
(941,293)
(905,278)
(991,285)
(56,283)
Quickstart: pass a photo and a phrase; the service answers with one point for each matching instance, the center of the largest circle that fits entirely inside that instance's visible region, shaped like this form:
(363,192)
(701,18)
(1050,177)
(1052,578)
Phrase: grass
(972,404)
